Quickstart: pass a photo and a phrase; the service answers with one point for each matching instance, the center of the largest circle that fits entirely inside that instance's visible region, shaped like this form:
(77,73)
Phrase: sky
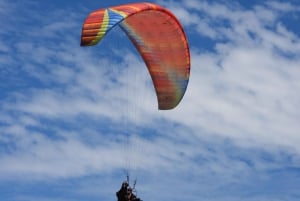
(74,120)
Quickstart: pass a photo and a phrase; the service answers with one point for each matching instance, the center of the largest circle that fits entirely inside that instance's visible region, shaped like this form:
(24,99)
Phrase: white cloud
(246,90)
(283,6)
(241,104)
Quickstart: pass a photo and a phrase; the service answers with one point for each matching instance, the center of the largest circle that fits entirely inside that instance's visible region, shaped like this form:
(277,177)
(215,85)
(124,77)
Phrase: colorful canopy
(159,38)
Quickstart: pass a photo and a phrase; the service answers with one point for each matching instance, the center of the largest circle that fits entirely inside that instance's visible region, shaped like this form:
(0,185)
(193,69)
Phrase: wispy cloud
(68,112)
(249,84)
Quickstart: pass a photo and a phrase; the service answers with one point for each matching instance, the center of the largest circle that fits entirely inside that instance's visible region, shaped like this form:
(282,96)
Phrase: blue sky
(73,119)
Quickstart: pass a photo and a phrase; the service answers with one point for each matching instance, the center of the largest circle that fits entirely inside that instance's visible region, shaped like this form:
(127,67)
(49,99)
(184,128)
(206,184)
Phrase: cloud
(246,89)
(284,7)
(73,112)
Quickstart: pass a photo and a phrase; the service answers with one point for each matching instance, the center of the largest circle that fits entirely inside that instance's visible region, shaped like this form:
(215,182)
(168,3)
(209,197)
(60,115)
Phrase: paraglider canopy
(159,38)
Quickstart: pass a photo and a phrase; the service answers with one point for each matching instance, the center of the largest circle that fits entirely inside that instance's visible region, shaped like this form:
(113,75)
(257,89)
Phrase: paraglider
(126,193)
(158,37)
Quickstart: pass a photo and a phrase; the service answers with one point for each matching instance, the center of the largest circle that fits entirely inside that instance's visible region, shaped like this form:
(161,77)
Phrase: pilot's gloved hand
(125,184)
